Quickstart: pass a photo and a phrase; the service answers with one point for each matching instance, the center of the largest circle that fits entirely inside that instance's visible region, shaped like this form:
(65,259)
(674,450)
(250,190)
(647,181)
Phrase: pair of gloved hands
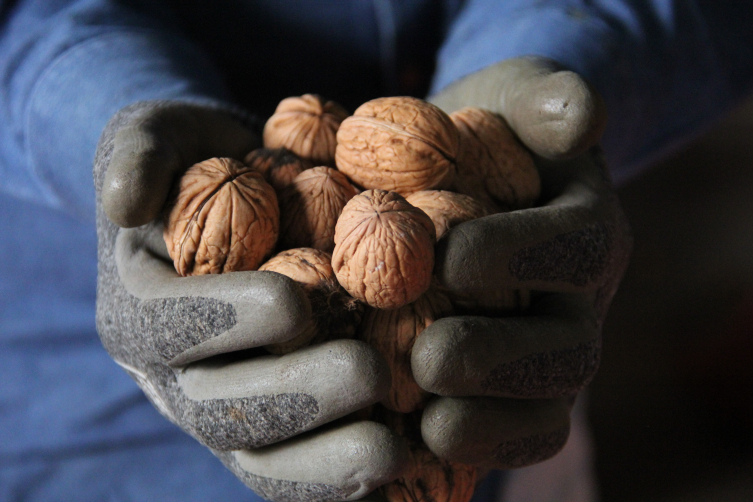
(504,385)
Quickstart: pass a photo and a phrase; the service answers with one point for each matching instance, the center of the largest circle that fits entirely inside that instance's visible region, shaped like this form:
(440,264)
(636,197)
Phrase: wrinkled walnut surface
(393,333)
(493,165)
(224,217)
(307,125)
(447,209)
(384,249)
(279,166)
(400,144)
(335,314)
(310,207)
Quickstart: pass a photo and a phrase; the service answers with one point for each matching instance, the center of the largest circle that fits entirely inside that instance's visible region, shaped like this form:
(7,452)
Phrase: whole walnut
(447,209)
(384,249)
(310,207)
(493,165)
(393,333)
(307,125)
(279,166)
(335,314)
(400,144)
(222,217)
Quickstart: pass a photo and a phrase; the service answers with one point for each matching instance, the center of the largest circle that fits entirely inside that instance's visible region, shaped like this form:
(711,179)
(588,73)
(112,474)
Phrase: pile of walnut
(353,206)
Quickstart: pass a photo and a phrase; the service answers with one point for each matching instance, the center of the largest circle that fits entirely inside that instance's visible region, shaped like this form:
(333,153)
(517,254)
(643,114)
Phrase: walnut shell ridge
(401,144)
(307,125)
(222,217)
(384,249)
(335,314)
(447,209)
(310,207)
(493,165)
(279,166)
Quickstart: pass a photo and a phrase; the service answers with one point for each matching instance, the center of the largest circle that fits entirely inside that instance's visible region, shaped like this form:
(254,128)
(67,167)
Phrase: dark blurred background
(672,405)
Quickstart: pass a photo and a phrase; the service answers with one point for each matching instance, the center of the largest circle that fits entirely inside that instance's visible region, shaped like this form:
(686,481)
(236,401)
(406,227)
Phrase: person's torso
(349,51)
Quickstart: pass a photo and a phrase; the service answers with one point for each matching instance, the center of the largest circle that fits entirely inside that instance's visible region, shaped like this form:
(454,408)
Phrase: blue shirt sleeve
(666,68)
(65,68)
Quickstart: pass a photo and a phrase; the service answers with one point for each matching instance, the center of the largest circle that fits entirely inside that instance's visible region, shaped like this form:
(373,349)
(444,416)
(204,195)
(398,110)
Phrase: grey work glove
(192,343)
(506,383)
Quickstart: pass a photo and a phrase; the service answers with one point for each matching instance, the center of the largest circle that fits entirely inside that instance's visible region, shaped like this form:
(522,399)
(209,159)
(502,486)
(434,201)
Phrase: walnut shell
(401,144)
(223,217)
(447,209)
(335,314)
(393,333)
(279,166)
(493,165)
(310,207)
(384,249)
(307,125)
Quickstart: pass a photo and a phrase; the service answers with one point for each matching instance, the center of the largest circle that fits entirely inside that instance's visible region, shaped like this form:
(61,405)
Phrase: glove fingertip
(126,208)
(138,178)
(565,116)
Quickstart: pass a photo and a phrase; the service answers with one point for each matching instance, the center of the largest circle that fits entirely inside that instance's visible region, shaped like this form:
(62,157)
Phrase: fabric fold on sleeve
(65,72)
(657,63)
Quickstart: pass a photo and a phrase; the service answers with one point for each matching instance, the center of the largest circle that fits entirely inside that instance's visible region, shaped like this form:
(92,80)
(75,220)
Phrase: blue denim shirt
(73,426)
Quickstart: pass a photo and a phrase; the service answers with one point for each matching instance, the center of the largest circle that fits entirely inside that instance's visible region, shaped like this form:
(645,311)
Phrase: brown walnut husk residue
(310,207)
(308,126)
(222,217)
(384,249)
(335,315)
(401,144)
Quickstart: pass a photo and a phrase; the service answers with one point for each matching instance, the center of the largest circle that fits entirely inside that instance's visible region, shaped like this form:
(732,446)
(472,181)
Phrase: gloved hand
(190,342)
(506,383)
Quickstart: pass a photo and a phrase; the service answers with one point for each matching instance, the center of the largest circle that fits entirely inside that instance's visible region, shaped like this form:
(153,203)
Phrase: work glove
(506,382)
(193,343)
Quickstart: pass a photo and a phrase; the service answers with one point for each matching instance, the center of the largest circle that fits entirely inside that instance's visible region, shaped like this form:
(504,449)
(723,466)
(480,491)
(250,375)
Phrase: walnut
(335,314)
(223,217)
(393,333)
(447,209)
(310,207)
(401,144)
(493,166)
(307,125)
(279,166)
(384,249)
